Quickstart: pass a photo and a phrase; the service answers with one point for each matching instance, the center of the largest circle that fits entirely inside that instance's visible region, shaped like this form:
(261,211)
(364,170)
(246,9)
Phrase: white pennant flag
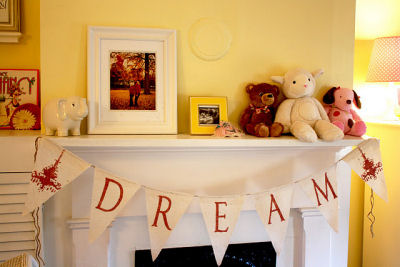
(366,161)
(163,213)
(274,208)
(220,215)
(110,194)
(322,191)
(54,168)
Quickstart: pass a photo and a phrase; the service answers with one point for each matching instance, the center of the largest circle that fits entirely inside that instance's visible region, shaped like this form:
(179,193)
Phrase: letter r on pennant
(324,194)
(121,194)
(163,212)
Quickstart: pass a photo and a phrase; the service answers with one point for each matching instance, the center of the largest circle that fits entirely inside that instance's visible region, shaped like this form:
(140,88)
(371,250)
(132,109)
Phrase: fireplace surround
(196,165)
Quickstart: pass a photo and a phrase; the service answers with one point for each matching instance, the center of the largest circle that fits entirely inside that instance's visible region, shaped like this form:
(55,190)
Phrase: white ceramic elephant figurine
(63,114)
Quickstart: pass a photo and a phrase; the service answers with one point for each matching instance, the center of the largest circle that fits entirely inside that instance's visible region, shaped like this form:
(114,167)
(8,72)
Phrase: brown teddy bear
(258,117)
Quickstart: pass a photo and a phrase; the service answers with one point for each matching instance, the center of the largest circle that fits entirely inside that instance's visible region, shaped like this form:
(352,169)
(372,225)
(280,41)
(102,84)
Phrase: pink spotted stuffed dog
(340,112)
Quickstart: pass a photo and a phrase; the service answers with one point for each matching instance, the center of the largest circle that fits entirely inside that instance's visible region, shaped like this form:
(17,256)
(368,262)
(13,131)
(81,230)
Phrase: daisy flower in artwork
(26,117)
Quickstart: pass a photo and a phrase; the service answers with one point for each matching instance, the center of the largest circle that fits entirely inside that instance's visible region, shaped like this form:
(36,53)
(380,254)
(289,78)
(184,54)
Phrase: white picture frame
(10,21)
(108,46)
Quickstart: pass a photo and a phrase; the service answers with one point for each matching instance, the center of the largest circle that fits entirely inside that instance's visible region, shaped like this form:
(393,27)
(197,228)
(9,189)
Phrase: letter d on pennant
(121,194)
(110,194)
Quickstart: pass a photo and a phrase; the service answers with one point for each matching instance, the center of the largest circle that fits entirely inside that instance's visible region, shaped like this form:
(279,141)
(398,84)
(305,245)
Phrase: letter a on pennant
(220,215)
(274,208)
(110,194)
(321,189)
(54,168)
(163,213)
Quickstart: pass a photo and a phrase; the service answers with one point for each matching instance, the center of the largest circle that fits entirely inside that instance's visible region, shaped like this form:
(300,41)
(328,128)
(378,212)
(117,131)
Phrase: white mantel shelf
(183,141)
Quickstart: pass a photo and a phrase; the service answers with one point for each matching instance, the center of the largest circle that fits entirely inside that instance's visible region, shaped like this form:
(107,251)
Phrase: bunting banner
(109,196)
(220,215)
(163,213)
(322,191)
(273,207)
(56,167)
(366,161)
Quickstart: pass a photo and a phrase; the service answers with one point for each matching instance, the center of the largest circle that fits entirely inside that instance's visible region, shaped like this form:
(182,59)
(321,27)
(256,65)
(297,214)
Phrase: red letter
(121,194)
(164,213)
(325,195)
(276,209)
(217,216)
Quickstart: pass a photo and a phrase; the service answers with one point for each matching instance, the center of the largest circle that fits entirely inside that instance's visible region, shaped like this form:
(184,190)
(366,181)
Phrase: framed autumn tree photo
(131,81)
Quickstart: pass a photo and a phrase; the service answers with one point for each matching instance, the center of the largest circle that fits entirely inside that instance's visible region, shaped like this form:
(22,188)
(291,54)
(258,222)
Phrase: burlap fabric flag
(163,213)
(322,191)
(366,161)
(110,194)
(54,168)
(220,215)
(273,207)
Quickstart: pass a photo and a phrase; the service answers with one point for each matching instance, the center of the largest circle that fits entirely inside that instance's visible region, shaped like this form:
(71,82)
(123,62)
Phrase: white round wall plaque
(210,39)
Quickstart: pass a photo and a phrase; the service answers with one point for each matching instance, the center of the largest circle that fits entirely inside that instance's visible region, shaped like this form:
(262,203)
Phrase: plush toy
(301,114)
(226,129)
(258,117)
(340,112)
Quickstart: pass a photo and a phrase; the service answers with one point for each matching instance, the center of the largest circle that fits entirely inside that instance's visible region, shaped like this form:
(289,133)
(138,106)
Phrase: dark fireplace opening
(237,255)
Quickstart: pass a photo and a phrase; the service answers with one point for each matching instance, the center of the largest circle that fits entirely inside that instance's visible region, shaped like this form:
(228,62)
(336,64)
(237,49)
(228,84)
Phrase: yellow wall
(383,249)
(269,37)
(362,51)
(376,19)
(26,53)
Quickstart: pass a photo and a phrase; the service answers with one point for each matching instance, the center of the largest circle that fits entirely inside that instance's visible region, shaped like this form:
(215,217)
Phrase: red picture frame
(19,99)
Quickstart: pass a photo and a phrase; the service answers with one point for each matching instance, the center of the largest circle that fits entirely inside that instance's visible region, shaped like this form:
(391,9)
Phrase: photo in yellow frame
(206,113)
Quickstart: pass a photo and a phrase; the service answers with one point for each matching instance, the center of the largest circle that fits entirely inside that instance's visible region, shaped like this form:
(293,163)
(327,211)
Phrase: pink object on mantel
(226,129)
(340,112)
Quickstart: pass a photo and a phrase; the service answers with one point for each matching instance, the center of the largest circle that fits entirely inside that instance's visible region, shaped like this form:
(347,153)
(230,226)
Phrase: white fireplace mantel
(189,142)
(203,165)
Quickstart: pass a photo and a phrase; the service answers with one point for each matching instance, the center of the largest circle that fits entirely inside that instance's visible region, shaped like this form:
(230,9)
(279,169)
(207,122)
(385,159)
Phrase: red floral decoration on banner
(371,169)
(47,178)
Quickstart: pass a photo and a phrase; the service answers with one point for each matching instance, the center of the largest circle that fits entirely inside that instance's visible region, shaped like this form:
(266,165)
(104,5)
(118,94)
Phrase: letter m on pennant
(326,193)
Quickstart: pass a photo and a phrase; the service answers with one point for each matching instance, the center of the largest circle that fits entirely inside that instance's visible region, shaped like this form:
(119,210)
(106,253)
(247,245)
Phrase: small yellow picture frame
(206,113)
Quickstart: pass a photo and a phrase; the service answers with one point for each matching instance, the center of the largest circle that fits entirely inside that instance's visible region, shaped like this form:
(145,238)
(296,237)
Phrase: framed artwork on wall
(19,99)
(10,21)
(206,113)
(131,81)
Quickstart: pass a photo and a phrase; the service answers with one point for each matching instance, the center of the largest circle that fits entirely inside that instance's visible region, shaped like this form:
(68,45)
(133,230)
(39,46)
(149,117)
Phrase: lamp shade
(384,65)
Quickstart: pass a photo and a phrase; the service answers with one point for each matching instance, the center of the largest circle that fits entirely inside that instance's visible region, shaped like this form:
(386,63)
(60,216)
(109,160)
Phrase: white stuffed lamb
(301,114)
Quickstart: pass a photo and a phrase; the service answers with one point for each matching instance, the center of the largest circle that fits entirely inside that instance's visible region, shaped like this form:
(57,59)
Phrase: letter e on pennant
(217,216)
